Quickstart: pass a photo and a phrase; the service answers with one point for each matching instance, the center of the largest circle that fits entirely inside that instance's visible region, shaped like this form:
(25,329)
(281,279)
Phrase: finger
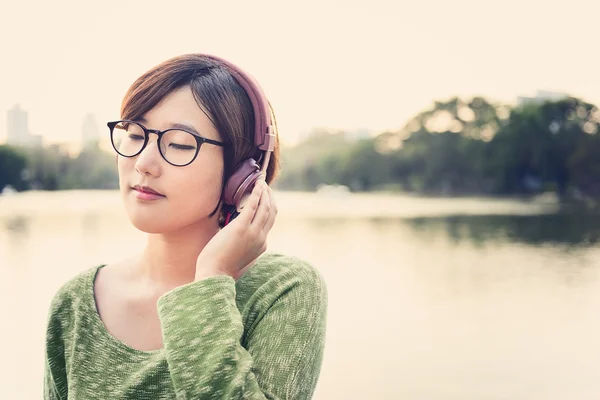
(271,220)
(251,206)
(264,207)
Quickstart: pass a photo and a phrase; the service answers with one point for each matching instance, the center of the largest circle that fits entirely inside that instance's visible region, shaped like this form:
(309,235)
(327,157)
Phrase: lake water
(428,298)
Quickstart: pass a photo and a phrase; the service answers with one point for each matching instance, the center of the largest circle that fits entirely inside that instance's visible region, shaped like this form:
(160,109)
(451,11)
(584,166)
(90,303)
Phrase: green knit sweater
(261,337)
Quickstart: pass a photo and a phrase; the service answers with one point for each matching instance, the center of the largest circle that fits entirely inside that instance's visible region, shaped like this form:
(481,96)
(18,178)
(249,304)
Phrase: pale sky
(337,64)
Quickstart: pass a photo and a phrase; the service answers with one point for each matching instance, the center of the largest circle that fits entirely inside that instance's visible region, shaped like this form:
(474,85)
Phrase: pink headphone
(246,174)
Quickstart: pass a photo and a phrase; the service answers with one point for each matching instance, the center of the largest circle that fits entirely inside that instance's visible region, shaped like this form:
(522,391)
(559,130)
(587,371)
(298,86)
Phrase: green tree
(361,166)
(12,167)
(442,149)
(312,162)
(533,151)
(445,162)
(91,169)
(584,166)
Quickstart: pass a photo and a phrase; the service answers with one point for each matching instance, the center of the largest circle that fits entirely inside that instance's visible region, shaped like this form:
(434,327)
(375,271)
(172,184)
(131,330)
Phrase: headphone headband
(242,180)
(264,135)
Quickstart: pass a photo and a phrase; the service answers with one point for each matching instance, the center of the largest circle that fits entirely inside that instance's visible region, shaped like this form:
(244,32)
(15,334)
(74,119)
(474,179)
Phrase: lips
(147,189)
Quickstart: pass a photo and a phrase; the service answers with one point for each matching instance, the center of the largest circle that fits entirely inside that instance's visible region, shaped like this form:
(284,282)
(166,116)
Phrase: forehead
(180,107)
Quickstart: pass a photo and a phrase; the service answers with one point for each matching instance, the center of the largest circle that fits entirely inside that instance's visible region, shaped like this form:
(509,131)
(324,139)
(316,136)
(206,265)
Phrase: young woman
(203,312)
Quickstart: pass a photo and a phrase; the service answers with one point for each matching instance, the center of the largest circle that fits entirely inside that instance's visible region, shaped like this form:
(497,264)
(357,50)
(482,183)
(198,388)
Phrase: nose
(148,162)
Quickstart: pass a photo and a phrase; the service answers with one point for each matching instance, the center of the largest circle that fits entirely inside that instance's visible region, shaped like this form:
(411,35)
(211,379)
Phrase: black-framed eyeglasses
(179,147)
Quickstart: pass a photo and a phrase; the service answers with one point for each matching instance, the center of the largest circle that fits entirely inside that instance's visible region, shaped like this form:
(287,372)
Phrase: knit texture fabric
(261,337)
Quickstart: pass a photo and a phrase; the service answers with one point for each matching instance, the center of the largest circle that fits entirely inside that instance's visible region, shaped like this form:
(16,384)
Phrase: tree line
(456,147)
(462,147)
(53,168)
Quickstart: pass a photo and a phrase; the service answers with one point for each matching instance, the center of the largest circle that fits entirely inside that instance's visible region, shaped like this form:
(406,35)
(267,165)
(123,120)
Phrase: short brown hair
(218,95)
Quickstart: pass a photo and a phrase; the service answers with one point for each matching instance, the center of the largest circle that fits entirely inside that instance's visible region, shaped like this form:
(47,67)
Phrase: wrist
(203,273)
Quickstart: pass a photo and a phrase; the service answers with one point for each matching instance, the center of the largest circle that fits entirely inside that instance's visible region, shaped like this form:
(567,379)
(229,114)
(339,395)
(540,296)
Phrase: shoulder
(276,268)
(274,275)
(70,293)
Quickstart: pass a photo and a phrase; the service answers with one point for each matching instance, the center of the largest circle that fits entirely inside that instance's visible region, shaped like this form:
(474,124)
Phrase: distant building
(540,97)
(18,129)
(18,125)
(90,134)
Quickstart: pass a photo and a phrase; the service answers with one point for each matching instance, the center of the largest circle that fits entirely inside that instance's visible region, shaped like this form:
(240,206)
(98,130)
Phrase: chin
(150,225)
(156,222)
(148,219)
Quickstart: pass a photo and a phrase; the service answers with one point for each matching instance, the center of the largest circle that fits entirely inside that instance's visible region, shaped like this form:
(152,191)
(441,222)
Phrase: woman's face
(190,193)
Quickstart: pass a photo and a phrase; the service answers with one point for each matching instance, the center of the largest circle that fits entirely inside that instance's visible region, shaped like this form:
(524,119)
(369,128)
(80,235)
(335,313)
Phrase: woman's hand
(234,248)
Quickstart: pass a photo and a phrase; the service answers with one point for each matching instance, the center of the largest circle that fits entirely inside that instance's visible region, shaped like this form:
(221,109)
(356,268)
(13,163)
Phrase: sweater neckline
(97,321)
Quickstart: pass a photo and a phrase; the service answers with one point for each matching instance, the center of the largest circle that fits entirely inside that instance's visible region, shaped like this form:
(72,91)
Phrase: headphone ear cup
(241,182)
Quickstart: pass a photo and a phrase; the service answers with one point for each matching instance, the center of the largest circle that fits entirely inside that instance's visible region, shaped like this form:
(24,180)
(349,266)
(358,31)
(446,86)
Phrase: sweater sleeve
(55,370)
(203,329)
(50,390)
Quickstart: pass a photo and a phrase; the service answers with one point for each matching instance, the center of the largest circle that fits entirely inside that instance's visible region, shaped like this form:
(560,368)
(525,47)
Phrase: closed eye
(181,146)
(135,137)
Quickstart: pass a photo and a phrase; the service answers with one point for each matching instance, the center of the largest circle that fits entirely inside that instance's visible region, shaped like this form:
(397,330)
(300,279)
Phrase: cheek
(199,192)
(192,194)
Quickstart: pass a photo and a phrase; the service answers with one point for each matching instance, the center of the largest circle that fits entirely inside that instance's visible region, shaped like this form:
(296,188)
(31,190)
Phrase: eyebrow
(175,126)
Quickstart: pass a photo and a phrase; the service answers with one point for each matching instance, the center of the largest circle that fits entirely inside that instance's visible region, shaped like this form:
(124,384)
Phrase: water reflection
(17,229)
(571,229)
(18,224)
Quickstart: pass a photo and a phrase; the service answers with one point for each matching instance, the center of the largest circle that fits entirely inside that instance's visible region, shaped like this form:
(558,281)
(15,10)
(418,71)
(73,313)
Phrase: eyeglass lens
(176,146)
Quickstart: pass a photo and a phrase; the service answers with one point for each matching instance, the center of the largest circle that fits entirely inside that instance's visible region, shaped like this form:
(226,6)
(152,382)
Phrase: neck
(169,259)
